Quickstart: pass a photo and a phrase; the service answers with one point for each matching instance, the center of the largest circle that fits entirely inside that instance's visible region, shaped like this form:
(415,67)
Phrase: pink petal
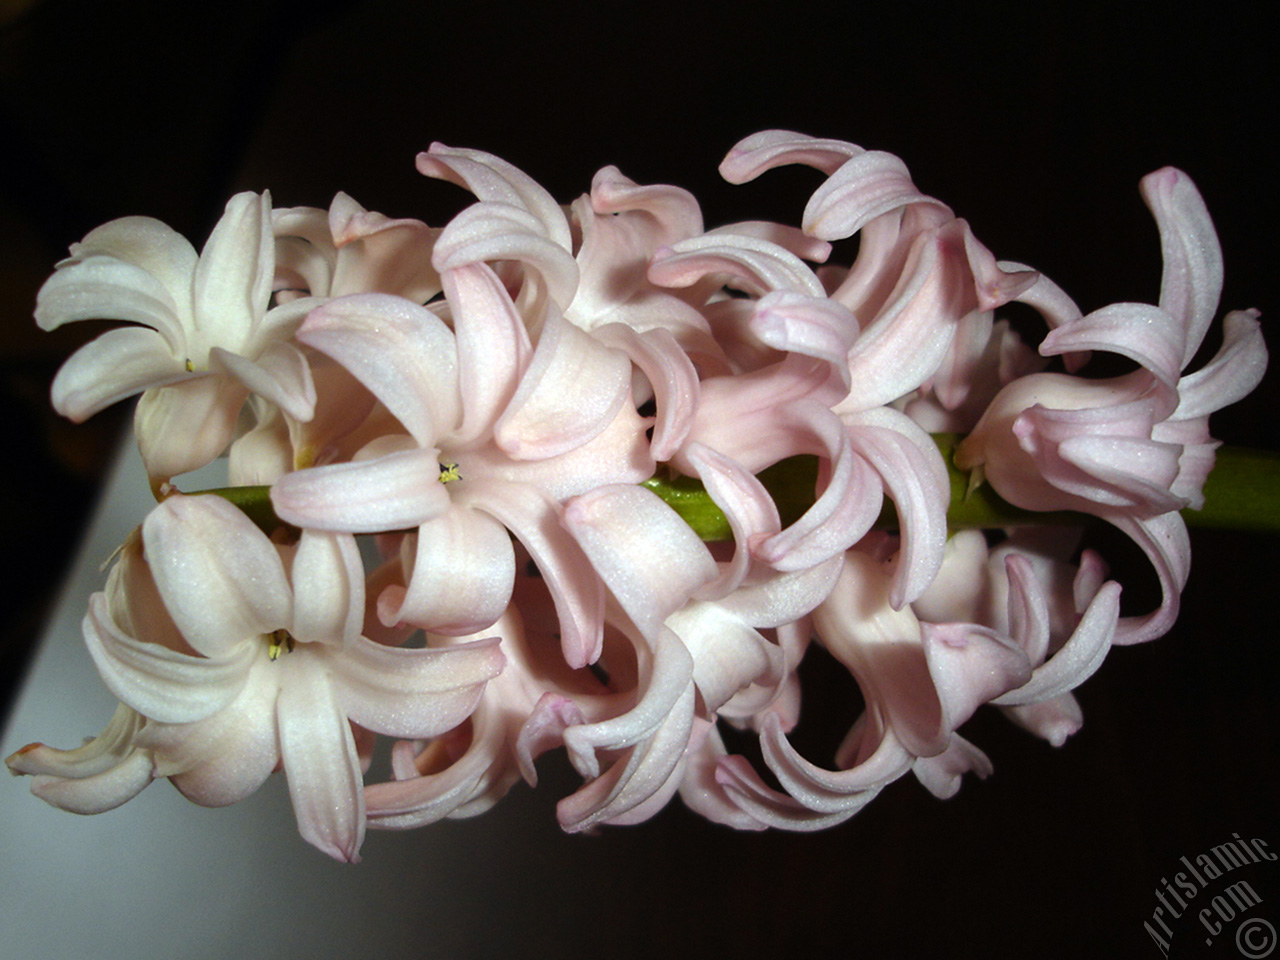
(1233,372)
(1054,720)
(403,353)
(461,578)
(913,473)
(756,266)
(1192,280)
(226,757)
(1165,541)
(489,232)
(406,692)
(319,756)
(666,690)
(745,789)
(834,791)
(493,347)
(747,506)
(1147,335)
(641,774)
(728,655)
(767,149)
(970,665)
(651,560)
(910,336)
(700,791)
(380,255)
(844,510)
(790,238)
(866,186)
(572,391)
(668,212)
(397,491)
(575,588)
(671,374)
(328,588)
(941,774)
(492,178)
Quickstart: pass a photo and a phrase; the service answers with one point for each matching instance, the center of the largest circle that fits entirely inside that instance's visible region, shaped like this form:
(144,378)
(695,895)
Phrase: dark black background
(1035,124)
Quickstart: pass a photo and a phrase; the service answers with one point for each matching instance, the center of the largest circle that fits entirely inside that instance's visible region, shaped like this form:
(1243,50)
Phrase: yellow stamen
(449,472)
(279,639)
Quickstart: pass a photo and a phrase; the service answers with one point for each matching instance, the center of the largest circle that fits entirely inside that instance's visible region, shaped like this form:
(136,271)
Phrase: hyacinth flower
(589,267)
(450,474)
(535,415)
(242,657)
(697,635)
(1134,449)
(202,334)
(789,407)
(922,286)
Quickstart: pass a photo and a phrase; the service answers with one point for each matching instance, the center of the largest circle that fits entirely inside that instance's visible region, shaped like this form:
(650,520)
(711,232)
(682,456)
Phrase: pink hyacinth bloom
(599,285)
(920,272)
(920,681)
(493,438)
(696,626)
(785,407)
(1133,449)
(349,249)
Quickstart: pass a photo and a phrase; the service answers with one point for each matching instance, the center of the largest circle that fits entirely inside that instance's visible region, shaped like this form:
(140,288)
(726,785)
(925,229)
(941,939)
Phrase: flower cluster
(456,426)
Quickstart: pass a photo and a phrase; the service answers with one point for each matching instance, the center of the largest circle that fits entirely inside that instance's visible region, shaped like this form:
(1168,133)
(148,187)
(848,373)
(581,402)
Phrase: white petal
(100,792)
(328,588)
(233,277)
(186,425)
(160,683)
(104,288)
(221,578)
(280,374)
(104,752)
(116,365)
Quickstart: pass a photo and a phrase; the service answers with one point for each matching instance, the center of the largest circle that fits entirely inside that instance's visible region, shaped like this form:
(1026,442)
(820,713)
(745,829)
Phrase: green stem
(1242,493)
(255,502)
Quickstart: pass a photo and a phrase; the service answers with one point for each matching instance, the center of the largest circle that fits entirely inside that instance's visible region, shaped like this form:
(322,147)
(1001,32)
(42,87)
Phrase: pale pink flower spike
(513,478)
